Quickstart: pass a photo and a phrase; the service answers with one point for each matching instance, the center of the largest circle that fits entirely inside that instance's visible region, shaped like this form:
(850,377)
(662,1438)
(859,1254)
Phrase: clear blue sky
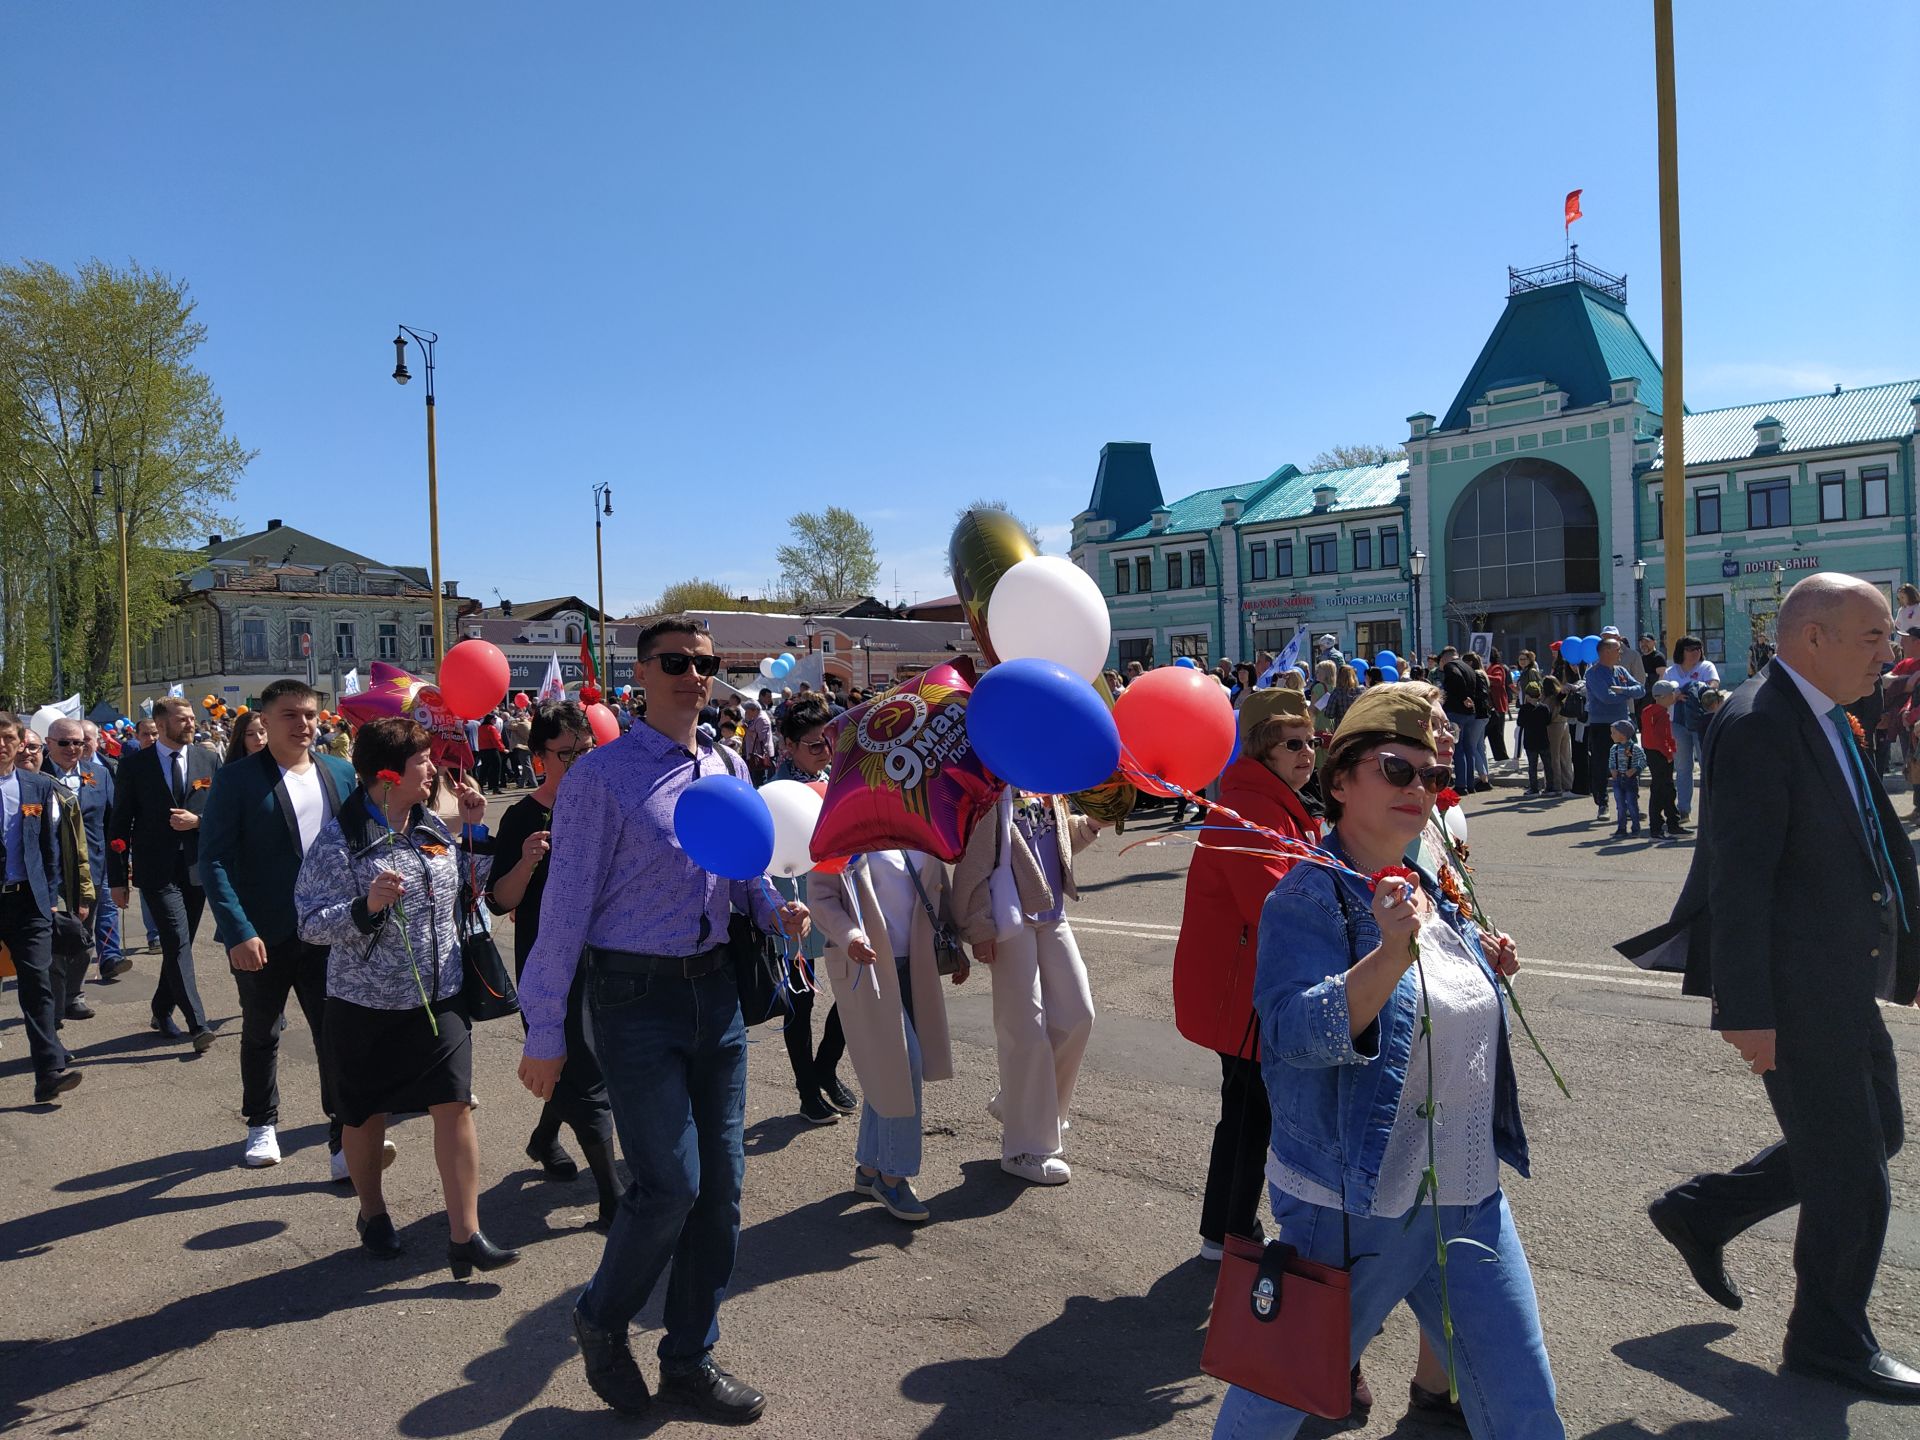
(747,259)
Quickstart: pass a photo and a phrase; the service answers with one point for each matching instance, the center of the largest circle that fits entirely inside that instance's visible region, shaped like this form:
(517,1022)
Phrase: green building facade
(1530,510)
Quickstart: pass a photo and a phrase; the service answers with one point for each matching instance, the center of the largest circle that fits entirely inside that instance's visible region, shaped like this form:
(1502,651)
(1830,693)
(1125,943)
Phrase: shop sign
(1792,562)
(1266,604)
(1378,597)
(1729,569)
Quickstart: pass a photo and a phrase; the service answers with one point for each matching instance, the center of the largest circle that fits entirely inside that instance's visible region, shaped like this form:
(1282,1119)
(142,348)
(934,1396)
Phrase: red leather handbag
(1282,1328)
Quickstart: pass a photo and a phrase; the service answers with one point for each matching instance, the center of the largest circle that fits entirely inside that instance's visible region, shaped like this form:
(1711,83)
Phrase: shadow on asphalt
(1760,1405)
(1102,1370)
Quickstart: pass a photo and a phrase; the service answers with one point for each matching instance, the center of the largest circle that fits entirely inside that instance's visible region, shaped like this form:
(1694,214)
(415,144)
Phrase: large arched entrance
(1523,557)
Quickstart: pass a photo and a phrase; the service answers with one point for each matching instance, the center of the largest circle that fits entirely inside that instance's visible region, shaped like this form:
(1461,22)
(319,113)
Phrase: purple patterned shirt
(617,877)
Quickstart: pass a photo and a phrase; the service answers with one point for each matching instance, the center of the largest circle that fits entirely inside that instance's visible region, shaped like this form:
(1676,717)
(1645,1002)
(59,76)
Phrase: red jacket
(1214,961)
(1656,731)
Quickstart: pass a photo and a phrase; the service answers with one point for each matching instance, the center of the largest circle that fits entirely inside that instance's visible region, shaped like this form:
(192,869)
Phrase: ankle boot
(546,1151)
(478,1253)
(599,1157)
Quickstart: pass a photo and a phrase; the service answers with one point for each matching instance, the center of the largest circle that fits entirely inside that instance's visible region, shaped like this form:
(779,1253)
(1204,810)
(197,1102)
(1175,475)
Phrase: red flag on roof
(1573,208)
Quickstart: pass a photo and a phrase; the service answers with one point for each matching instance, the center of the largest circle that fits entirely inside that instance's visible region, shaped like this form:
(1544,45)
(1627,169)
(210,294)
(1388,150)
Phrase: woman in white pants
(1010,890)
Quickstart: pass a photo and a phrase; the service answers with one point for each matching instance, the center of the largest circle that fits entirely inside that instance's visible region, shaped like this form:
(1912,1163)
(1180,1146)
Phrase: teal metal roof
(1808,422)
(1198,511)
(1573,335)
(1358,487)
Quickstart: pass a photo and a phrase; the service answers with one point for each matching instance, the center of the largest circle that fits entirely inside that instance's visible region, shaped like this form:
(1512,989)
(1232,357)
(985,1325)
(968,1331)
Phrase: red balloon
(520,701)
(473,678)
(1177,724)
(905,776)
(606,728)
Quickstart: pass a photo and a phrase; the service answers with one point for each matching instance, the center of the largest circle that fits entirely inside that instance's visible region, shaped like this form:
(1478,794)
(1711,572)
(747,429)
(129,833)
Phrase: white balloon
(796,810)
(1456,822)
(41,722)
(1048,608)
(766,668)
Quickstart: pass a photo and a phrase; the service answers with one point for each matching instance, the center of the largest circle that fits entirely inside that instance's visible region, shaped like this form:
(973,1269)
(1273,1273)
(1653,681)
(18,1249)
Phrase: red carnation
(119,847)
(1446,800)
(1397,872)
(388,777)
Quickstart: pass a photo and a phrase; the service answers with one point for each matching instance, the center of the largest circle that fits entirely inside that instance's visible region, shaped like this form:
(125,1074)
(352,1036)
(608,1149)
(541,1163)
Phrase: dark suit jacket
(250,846)
(96,805)
(1782,925)
(40,839)
(142,800)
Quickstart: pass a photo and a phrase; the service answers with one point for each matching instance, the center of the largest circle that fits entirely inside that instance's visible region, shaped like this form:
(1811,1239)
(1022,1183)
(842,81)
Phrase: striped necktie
(1869,813)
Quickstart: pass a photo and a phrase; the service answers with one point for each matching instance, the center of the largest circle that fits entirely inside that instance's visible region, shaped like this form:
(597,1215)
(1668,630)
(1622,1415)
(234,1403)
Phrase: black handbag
(486,989)
(759,970)
(72,939)
(948,957)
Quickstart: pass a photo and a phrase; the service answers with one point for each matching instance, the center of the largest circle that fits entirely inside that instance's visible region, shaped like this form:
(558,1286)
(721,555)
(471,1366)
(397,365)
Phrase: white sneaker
(337,1162)
(263,1147)
(1039,1170)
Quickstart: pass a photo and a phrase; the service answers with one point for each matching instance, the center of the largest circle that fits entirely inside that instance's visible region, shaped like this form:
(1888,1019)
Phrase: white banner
(350,682)
(552,687)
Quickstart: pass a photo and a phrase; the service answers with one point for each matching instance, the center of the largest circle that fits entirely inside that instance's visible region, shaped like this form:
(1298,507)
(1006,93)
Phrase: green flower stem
(1430,1182)
(399,908)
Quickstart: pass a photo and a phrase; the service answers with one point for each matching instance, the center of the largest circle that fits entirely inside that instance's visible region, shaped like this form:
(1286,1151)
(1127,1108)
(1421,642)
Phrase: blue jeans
(106,923)
(893,1146)
(1626,799)
(1506,1386)
(674,1053)
(1686,745)
(1469,753)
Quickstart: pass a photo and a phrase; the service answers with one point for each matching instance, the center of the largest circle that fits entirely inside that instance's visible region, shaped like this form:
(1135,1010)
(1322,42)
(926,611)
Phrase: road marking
(1105,924)
(1629,981)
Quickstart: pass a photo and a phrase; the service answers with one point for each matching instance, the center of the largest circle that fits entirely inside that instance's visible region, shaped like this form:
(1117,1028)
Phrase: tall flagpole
(1673,465)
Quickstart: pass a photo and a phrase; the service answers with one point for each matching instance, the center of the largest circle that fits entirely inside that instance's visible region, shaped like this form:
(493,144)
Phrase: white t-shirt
(309,805)
(893,888)
(1905,618)
(1702,672)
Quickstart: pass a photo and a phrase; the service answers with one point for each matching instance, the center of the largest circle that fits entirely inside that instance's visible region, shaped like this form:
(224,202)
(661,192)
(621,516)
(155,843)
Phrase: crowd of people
(1350,996)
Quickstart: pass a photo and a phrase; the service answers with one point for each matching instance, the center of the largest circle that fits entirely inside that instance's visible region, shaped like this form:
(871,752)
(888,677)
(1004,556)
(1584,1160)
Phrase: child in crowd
(1663,812)
(1624,763)
(1535,718)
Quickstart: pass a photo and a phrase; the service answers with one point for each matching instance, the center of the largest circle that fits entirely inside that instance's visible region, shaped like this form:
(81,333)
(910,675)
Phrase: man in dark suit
(89,790)
(263,813)
(29,885)
(1801,911)
(114,962)
(155,832)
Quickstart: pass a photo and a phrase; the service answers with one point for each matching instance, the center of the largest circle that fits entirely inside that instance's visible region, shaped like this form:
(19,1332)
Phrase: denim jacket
(1334,1095)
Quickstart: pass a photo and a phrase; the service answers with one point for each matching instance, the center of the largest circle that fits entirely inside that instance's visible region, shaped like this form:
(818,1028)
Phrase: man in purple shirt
(624,899)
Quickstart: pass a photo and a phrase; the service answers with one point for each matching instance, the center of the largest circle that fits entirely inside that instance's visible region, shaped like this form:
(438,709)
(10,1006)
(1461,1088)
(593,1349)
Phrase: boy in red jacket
(1657,740)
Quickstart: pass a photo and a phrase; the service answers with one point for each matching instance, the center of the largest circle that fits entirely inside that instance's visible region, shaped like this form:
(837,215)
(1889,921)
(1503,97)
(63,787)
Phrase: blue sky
(742,260)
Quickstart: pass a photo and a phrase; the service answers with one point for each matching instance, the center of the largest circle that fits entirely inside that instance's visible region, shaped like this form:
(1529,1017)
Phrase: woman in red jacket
(1214,961)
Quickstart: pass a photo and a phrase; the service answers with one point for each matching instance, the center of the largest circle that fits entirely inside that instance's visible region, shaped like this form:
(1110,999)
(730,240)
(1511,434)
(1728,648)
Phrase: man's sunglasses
(1401,773)
(68,744)
(675,663)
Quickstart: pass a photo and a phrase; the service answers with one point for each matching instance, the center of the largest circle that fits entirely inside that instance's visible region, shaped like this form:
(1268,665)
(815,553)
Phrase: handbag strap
(921,890)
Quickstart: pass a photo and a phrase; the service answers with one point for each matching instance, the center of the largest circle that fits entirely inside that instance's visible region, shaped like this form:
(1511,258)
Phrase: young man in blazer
(155,835)
(263,814)
(29,887)
(1802,911)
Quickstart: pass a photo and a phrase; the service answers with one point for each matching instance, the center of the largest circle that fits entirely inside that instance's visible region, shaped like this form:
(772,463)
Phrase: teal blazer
(250,846)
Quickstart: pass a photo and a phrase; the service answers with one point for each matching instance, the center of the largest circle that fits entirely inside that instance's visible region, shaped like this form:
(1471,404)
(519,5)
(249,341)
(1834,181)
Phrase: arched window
(573,633)
(1524,529)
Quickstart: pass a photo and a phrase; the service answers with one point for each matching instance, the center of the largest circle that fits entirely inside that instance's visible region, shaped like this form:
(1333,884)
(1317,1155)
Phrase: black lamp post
(1417,567)
(427,340)
(1639,598)
(602,505)
(809,629)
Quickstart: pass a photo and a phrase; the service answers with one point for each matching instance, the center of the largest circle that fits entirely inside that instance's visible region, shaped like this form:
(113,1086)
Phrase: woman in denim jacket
(1339,1000)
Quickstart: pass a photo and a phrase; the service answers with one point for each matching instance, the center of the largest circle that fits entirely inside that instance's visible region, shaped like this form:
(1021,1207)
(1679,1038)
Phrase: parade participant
(264,813)
(1042,1003)
(520,750)
(1610,690)
(758,746)
(1803,906)
(888,911)
(1213,962)
(1663,812)
(824,1097)
(1625,761)
(560,734)
(1559,738)
(88,789)
(1694,674)
(381,885)
(1337,987)
(29,893)
(249,735)
(153,841)
(651,928)
(1346,690)
(106,915)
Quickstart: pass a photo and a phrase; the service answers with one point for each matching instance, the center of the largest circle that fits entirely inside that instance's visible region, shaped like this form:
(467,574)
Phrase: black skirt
(389,1062)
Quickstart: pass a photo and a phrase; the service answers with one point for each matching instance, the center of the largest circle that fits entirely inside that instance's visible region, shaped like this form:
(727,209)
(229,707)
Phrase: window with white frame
(388,639)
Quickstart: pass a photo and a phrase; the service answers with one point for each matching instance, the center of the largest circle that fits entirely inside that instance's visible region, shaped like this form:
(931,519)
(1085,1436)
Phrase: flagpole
(1673,465)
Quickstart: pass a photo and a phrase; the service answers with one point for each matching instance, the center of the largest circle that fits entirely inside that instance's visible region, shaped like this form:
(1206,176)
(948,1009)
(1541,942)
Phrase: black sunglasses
(675,663)
(1401,773)
(68,744)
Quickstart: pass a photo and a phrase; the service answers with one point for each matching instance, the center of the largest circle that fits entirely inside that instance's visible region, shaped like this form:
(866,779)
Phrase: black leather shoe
(1879,1375)
(478,1253)
(112,970)
(377,1237)
(611,1373)
(164,1024)
(55,1085)
(1707,1262)
(202,1040)
(714,1393)
(551,1156)
(79,1009)
(1436,1407)
(835,1092)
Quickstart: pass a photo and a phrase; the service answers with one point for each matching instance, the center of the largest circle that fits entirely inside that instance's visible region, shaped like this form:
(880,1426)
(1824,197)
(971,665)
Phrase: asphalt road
(151,1287)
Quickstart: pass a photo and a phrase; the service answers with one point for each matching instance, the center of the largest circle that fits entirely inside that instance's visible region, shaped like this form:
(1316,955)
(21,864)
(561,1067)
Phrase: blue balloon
(1386,657)
(724,827)
(1236,746)
(1185,662)
(782,667)
(1388,673)
(1359,665)
(1570,649)
(1043,728)
(786,659)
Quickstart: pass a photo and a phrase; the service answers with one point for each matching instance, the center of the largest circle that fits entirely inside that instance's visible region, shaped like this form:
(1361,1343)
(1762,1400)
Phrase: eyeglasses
(819,744)
(1296,744)
(567,757)
(1400,773)
(69,744)
(675,663)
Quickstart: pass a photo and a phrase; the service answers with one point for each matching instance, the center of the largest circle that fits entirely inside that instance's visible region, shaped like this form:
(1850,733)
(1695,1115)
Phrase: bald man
(1804,905)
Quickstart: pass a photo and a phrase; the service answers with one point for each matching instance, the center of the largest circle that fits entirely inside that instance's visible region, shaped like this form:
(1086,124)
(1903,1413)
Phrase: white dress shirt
(1820,705)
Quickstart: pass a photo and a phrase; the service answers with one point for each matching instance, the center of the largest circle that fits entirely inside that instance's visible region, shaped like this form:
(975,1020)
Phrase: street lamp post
(809,629)
(866,645)
(1416,567)
(602,505)
(427,340)
(126,623)
(1639,597)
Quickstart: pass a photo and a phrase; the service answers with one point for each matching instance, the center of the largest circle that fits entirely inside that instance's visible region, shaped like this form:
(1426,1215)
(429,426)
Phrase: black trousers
(1497,734)
(487,769)
(1663,808)
(1839,1110)
(29,939)
(176,908)
(1238,1166)
(579,1098)
(1599,745)
(293,968)
(811,1067)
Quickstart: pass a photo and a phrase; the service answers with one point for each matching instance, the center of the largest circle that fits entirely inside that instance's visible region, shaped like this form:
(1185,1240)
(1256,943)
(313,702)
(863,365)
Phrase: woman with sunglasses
(560,735)
(1353,1069)
(1219,939)
(824,1097)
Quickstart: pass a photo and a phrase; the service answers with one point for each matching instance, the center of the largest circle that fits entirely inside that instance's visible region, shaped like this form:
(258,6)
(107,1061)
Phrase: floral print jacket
(394,959)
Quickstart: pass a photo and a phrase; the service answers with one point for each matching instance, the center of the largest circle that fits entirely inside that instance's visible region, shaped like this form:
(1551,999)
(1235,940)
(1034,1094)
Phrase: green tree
(96,368)
(697,594)
(831,556)
(1340,457)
